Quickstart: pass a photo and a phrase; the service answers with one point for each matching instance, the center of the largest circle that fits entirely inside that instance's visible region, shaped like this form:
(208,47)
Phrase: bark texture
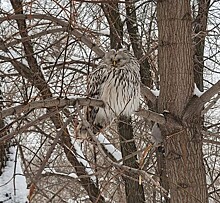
(134,191)
(112,15)
(183,147)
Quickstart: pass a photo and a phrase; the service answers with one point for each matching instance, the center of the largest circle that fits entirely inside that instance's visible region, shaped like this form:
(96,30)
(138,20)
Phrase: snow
(52,170)
(5,5)
(49,170)
(196,91)
(156,92)
(73,97)
(73,175)
(13,186)
(109,147)
(105,32)
(81,158)
(165,111)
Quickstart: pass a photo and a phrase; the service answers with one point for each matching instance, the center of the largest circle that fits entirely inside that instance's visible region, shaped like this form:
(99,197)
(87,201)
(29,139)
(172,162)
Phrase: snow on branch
(196,91)
(81,158)
(119,166)
(109,147)
(52,172)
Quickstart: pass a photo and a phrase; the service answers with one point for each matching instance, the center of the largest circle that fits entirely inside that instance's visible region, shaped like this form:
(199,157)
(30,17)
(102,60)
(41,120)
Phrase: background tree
(183,146)
(47,50)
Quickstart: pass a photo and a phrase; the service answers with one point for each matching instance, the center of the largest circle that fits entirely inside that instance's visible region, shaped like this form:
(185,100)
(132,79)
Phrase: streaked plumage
(116,81)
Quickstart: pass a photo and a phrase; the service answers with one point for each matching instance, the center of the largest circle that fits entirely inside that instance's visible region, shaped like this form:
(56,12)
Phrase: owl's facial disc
(109,56)
(117,59)
(120,59)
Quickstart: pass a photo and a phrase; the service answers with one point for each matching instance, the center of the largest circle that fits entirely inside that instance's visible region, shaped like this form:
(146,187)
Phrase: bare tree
(47,50)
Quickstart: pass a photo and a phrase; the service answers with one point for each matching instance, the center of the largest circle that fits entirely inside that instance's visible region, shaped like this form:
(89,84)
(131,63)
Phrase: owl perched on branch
(116,81)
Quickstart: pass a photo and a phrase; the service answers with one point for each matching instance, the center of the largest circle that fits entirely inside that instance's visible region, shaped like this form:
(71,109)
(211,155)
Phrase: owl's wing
(96,79)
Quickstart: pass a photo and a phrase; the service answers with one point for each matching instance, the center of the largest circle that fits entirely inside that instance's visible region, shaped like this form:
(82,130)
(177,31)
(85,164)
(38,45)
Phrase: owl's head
(117,58)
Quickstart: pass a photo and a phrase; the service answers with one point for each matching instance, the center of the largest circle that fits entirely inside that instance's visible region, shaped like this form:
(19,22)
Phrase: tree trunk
(134,191)
(112,14)
(200,25)
(135,38)
(183,147)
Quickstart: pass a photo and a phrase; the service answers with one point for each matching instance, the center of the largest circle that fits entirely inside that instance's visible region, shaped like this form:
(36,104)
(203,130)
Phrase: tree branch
(166,119)
(135,38)
(146,92)
(112,15)
(206,96)
(48,103)
(200,27)
(151,115)
(144,174)
(60,103)
(79,35)
(196,104)
(211,104)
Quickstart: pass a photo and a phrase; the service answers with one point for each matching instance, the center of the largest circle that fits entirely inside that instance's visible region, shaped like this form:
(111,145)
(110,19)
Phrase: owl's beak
(114,62)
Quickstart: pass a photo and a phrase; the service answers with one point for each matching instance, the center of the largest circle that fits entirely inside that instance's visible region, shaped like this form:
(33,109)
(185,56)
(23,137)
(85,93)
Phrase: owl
(116,81)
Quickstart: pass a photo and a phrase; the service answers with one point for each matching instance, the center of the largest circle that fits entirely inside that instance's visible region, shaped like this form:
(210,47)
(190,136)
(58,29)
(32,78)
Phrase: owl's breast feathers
(118,87)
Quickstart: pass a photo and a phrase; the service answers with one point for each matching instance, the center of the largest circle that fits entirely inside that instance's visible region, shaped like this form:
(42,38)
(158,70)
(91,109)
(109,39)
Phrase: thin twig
(52,147)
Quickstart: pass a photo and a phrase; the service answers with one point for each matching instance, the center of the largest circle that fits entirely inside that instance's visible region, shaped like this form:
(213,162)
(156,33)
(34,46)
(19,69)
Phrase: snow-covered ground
(13,186)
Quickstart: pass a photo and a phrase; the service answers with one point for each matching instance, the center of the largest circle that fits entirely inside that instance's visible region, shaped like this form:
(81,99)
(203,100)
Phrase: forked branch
(197,103)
